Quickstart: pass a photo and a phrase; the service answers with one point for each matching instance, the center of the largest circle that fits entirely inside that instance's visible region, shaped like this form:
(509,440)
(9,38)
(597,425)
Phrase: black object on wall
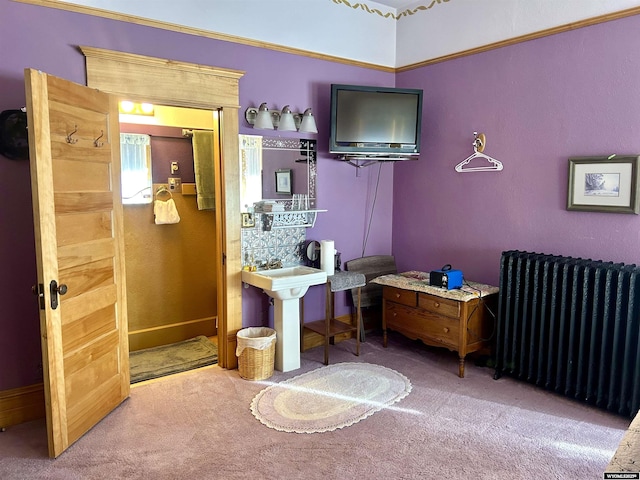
(14,140)
(572,326)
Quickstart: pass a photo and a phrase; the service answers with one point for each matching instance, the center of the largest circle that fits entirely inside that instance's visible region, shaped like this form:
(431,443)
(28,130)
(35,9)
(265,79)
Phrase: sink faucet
(275,263)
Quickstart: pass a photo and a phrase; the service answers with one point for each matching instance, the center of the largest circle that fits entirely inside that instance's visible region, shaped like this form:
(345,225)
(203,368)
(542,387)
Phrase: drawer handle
(395,314)
(446,329)
(436,304)
(397,295)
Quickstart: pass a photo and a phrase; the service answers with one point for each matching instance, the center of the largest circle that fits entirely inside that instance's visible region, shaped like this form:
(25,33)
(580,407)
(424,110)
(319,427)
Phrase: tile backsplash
(284,244)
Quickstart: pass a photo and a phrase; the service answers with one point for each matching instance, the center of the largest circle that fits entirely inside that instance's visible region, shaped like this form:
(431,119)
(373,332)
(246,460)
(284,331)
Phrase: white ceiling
(387,33)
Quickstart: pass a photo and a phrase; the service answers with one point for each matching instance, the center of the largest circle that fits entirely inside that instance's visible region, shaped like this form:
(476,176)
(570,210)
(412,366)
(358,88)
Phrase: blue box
(448,279)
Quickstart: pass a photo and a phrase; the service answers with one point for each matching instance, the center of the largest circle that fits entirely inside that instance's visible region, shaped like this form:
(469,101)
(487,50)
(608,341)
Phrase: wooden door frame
(182,84)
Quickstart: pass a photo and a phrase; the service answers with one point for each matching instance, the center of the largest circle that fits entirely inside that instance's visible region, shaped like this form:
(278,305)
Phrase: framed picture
(283,181)
(604,184)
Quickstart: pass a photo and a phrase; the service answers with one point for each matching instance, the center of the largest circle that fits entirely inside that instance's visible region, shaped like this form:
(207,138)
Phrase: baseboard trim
(21,405)
(175,332)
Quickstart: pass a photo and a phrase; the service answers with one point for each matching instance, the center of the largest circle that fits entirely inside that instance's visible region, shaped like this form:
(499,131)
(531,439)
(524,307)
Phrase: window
(135,154)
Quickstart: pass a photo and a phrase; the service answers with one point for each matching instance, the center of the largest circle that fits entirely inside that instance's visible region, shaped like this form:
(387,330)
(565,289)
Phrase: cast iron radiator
(571,325)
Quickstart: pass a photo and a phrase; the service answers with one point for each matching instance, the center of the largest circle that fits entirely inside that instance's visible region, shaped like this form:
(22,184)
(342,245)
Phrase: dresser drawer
(420,324)
(441,330)
(397,295)
(439,305)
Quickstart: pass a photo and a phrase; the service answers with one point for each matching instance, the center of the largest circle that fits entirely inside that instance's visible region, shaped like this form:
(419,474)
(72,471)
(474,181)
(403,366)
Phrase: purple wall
(46,39)
(538,103)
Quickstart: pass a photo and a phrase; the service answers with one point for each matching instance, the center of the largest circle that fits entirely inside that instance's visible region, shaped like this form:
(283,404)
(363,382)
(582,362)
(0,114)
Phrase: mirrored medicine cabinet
(277,169)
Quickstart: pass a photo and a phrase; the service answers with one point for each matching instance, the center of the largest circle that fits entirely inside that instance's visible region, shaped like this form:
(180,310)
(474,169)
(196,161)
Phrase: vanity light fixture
(285,120)
(262,118)
(136,108)
(308,123)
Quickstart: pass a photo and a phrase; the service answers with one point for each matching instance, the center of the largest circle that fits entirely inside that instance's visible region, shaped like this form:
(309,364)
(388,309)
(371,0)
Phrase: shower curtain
(204,170)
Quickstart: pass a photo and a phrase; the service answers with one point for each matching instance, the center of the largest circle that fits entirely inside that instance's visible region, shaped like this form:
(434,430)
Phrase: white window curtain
(251,171)
(135,154)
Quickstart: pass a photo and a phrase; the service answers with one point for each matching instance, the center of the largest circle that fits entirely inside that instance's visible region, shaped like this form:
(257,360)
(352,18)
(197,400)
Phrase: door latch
(38,291)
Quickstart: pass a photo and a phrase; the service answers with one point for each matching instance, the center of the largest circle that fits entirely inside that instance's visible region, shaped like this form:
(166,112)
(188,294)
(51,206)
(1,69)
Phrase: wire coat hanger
(479,143)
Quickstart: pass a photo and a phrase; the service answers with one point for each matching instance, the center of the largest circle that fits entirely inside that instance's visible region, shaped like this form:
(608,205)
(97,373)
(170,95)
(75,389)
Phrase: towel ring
(163,191)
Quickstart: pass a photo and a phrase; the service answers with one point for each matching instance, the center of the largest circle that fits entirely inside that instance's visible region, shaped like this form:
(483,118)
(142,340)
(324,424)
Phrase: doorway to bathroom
(183,84)
(171,263)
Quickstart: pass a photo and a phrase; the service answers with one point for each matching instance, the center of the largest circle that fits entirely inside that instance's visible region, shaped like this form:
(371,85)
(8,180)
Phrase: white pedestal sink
(286,286)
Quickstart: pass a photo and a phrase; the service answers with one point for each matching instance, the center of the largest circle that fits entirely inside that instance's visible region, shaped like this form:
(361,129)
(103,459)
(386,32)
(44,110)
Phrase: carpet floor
(198,425)
(173,358)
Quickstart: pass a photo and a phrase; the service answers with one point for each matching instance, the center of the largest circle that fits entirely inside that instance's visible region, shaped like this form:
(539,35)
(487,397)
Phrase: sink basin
(286,286)
(285,283)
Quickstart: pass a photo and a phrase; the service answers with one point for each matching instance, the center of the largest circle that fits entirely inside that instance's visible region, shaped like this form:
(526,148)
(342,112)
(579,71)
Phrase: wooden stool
(330,327)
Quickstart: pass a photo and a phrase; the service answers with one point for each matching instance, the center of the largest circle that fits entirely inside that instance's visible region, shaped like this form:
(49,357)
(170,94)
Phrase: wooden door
(74,144)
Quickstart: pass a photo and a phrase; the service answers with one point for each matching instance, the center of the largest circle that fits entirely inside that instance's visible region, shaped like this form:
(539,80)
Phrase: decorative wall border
(394,16)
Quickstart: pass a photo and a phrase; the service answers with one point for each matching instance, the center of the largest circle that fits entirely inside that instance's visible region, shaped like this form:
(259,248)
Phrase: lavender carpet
(198,426)
(329,398)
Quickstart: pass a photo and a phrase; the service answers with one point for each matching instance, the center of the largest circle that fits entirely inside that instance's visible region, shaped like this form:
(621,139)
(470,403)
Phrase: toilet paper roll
(327,256)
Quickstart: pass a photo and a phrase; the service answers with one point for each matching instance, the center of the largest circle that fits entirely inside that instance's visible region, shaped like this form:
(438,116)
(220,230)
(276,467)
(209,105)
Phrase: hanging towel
(165,212)
(203,165)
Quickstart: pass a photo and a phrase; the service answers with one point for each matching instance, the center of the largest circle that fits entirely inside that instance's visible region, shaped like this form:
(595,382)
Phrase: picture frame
(604,184)
(283,181)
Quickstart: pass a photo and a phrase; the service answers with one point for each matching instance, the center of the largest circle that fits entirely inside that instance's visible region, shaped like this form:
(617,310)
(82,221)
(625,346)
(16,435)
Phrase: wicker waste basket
(256,351)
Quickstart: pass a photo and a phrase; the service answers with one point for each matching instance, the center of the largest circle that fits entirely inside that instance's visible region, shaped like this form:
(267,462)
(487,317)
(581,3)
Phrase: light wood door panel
(75,168)
(86,278)
(83,227)
(89,327)
(73,175)
(88,251)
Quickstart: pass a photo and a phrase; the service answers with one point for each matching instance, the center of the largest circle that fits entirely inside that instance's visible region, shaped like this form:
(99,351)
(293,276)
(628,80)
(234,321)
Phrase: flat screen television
(379,122)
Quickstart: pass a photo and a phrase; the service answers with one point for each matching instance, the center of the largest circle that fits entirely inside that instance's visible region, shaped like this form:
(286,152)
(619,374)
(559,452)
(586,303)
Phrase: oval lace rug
(329,398)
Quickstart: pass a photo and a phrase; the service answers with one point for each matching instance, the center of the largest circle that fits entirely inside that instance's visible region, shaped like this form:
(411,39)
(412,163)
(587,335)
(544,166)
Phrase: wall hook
(479,141)
(72,140)
(96,142)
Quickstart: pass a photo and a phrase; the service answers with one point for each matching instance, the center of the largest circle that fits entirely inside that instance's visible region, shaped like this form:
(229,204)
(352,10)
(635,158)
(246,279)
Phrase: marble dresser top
(419,281)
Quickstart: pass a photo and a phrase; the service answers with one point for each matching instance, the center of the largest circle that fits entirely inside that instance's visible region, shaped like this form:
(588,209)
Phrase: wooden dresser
(461,320)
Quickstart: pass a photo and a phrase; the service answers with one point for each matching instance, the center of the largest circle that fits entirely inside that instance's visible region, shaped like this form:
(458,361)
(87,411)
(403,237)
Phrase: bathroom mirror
(262,163)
